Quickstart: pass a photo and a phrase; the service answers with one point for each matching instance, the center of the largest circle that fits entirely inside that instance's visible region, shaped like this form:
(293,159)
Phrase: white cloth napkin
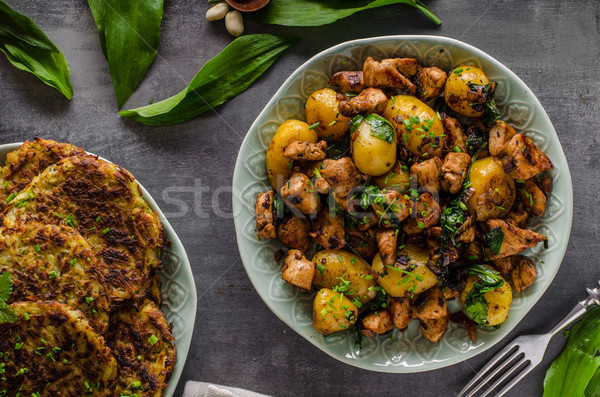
(203,389)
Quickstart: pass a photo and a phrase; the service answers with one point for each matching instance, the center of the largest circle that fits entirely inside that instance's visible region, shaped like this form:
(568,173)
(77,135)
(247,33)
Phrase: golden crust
(51,348)
(104,203)
(130,335)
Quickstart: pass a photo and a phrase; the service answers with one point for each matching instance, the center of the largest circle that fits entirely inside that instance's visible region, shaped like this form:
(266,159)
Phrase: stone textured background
(554,46)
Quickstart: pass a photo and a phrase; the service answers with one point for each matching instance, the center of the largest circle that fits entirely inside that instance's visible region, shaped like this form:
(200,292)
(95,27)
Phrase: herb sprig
(7,314)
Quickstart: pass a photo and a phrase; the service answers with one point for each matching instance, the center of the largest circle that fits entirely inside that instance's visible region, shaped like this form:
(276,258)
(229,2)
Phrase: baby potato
(278,166)
(414,278)
(494,190)
(417,125)
(498,300)
(333,312)
(344,269)
(398,178)
(457,93)
(322,107)
(372,156)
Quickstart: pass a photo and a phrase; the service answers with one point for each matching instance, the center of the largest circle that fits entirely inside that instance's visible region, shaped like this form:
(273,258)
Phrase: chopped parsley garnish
(315,125)
(153,339)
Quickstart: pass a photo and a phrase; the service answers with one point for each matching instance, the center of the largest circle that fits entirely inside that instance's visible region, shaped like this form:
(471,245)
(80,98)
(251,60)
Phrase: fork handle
(579,309)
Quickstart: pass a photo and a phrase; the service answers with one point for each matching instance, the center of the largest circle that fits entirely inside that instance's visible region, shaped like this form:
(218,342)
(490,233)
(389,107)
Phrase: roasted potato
(371,155)
(323,107)
(279,167)
(414,277)
(344,269)
(494,190)
(498,300)
(417,125)
(398,178)
(459,96)
(333,312)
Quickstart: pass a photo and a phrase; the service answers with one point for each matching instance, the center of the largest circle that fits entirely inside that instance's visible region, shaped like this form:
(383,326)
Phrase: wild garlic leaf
(129,36)
(29,49)
(6,286)
(323,12)
(494,239)
(220,79)
(476,307)
(380,128)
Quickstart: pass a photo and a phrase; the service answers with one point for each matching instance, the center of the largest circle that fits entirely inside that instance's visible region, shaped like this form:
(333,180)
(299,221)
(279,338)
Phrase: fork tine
(494,372)
(504,376)
(499,357)
(516,379)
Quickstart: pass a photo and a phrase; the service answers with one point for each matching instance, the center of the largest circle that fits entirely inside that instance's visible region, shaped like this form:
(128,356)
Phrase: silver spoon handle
(593,296)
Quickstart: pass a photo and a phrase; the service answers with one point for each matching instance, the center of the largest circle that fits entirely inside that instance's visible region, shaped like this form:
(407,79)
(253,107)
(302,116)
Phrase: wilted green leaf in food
(220,79)
(476,306)
(494,239)
(129,36)
(323,12)
(381,128)
(571,372)
(29,49)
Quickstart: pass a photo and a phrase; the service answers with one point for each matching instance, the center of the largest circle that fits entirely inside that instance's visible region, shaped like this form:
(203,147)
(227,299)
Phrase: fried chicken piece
(524,159)
(298,270)
(393,203)
(387,241)
(533,198)
(466,232)
(500,134)
(298,192)
(430,305)
(348,81)
(376,323)
(545,183)
(428,174)
(328,230)
(523,273)
(503,265)
(308,151)
(361,242)
(473,253)
(515,240)
(406,66)
(293,232)
(518,218)
(377,74)
(371,100)
(455,169)
(401,312)
(321,186)
(264,214)
(430,83)
(343,177)
(427,210)
(433,330)
(455,136)
(461,318)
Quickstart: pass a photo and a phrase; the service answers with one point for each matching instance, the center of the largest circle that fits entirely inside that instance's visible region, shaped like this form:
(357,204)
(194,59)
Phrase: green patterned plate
(177,285)
(409,351)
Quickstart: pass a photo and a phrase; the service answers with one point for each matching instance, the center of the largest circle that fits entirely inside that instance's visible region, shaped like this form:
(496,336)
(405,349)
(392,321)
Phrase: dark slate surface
(554,46)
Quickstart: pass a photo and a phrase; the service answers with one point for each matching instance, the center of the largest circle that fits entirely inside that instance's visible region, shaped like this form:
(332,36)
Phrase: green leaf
(7,314)
(354,123)
(129,36)
(380,128)
(593,387)
(476,307)
(571,372)
(6,286)
(490,278)
(323,12)
(494,239)
(29,49)
(220,79)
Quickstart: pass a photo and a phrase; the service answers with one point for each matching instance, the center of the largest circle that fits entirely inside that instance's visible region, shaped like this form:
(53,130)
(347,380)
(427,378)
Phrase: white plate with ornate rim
(409,351)
(177,285)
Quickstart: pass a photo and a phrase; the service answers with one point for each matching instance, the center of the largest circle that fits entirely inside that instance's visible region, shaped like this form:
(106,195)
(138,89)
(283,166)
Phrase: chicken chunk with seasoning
(456,140)
(348,81)
(427,211)
(376,323)
(377,74)
(361,242)
(387,241)
(343,177)
(523,273)
(455,169)
(371,100)
(433,330)
(400,312)
(306,151)
(500,134)
(298,270)
(392,207)
(524,159)
(430,83)
(533,197)
(427,174)
(293,232)
(298,193)
(264,214)
(513,239)
(406,66)
(328,230)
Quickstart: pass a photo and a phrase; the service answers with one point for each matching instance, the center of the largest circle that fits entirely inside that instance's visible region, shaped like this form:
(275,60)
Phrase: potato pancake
(54,262)
(33,157)
(104,203)
(52,350)
(142,342)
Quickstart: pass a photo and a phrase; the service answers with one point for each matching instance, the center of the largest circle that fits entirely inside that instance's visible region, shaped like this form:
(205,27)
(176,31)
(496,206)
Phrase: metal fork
(523,354)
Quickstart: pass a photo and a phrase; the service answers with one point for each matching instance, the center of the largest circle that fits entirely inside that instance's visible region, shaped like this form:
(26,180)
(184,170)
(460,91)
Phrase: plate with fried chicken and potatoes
(402,202)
